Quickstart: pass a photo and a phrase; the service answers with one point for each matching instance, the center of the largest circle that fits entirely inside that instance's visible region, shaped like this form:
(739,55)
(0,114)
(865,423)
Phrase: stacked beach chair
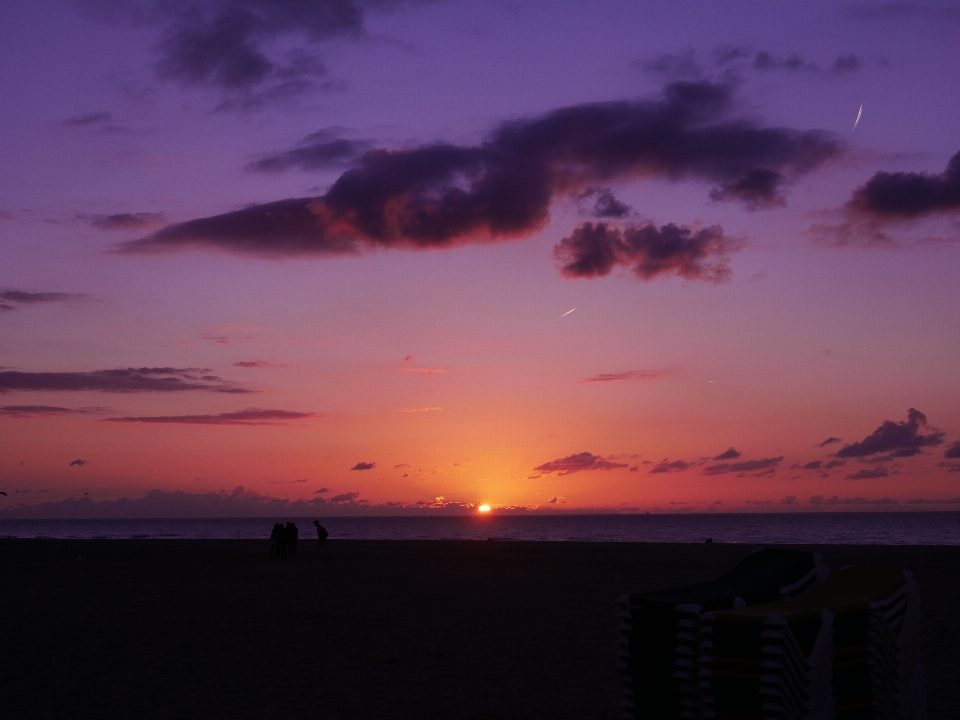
(660,654)
(859,633)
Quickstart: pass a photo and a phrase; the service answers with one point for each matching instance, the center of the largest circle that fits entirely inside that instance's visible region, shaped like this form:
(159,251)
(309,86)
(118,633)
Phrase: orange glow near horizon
(483,509)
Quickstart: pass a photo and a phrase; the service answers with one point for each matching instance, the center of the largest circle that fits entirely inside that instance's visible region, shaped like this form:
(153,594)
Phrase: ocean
(900,528)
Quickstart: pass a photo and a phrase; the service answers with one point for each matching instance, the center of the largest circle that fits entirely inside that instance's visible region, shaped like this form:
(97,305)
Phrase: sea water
(862,528)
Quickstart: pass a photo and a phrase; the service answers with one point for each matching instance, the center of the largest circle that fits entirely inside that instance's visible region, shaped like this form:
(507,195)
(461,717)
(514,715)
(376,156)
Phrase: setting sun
(483,509)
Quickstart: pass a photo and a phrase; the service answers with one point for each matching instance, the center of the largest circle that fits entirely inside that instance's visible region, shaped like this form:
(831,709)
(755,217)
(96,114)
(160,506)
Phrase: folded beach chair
(877,669)
(659,655)
(849,649)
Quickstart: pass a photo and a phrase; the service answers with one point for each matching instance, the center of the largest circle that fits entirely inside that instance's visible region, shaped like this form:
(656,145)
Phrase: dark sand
(407,629)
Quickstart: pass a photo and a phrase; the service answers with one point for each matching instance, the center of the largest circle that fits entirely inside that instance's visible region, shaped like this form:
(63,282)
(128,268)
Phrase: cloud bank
(443,195)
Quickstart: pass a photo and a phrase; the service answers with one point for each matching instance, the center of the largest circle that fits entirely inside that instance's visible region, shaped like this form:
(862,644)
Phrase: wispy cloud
(250,417)
(129,221)
(121,380)
(619,377)
(580,462)
(32,411)
(16,299)
(364,466)
(419,410)
(743,467)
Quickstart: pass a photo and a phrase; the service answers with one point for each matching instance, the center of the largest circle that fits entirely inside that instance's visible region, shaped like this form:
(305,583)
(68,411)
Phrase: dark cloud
(255,52)
(834,463)
(829,441)
(908,195)
(224,44)
(619,377)
(951,467)
(364,466)
(121,380)
(443,195)
(745,466)
(258,364)
(953,450)
(729,454)
(757,190)
(812,465)
(733,61)
(78,463)
(30,411)
(128,221)
(320,491)
(593,250)
(16,299)
(765,61)
(345,497)
(890,203)
(847,63)
(666,466)
(869,473)
(578,463)
(250,416)
(321,150)
(900,439)
(94,118)
(604,203)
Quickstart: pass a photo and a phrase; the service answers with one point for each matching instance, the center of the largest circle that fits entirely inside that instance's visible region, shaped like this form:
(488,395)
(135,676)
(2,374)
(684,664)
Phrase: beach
(380,629)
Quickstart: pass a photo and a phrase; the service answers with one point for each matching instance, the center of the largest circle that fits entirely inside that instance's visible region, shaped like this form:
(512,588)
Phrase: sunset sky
(564,255)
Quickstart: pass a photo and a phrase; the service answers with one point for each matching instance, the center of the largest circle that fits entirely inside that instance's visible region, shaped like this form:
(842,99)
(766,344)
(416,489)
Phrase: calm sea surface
(901,528)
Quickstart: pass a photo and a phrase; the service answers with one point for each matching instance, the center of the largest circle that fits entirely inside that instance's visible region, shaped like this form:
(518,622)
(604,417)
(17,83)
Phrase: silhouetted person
(322,536)
(276,541)
(291,534)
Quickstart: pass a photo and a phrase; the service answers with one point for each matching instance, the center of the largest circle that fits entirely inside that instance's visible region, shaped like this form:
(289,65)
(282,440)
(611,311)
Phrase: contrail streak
(859,113)
(566,313)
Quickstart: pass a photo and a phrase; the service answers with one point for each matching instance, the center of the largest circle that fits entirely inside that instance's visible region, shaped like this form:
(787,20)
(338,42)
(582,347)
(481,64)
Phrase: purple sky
(298,245)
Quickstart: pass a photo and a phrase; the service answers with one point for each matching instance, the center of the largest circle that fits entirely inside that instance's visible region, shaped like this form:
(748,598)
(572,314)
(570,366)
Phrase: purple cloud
(900,439)
(364,466)
(953,450)
(579,462)
(729,454)
(829,441)
(78,463)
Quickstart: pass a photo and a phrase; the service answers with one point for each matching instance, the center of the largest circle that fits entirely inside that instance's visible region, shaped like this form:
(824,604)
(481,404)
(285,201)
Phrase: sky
(389,256)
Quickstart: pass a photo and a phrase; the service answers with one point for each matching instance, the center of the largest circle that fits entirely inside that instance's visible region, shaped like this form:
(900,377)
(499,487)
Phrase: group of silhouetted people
(283,540)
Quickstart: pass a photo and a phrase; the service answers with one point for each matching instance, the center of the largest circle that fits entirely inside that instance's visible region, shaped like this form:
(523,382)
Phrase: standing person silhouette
(322,536)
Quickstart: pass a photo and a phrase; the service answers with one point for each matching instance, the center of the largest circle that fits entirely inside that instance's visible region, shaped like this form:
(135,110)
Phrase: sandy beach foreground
(382,629)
